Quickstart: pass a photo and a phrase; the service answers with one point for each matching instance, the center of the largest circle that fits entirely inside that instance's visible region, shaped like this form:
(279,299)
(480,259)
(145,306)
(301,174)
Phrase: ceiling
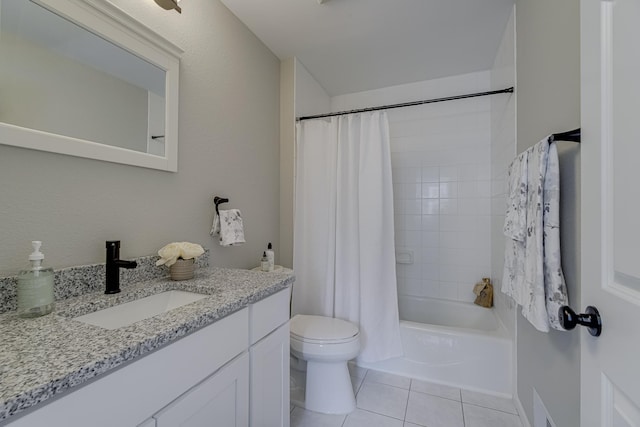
(355,45)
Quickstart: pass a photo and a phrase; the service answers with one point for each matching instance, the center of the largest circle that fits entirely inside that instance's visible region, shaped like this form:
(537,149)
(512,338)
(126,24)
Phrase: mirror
(80,77)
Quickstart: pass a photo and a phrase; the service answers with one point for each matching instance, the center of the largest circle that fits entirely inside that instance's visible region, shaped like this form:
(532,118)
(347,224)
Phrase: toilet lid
(318,328)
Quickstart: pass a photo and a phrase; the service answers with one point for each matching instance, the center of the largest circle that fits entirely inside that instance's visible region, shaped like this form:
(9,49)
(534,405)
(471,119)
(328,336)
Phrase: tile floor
(385,400)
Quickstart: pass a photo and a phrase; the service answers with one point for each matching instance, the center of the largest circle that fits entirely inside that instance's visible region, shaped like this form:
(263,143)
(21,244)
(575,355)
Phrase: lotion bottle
(271,256)
(35,286)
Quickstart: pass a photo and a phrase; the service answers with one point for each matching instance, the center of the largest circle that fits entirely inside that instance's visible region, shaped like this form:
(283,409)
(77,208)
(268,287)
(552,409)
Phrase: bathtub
(453,343)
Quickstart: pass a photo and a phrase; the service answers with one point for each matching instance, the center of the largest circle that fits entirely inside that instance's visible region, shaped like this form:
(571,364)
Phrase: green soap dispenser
(35,286)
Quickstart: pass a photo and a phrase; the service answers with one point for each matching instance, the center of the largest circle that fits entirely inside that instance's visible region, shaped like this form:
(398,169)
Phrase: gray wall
(548,101)
(229,137)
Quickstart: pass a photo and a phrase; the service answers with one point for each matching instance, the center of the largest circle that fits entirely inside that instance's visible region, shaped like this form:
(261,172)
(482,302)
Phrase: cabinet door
(222,400)
(270,380)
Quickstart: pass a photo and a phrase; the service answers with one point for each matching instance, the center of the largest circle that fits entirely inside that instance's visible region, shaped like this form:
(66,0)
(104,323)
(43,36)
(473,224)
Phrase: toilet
(326,344)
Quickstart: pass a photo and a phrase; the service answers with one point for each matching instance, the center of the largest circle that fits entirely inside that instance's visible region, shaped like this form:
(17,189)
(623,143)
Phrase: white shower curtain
(344,253)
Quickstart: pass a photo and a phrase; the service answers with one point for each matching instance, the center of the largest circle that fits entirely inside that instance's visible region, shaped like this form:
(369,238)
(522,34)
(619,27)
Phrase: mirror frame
(114,25)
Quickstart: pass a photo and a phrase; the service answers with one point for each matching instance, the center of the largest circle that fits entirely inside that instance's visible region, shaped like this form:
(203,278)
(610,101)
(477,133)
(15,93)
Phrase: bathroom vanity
(224,357)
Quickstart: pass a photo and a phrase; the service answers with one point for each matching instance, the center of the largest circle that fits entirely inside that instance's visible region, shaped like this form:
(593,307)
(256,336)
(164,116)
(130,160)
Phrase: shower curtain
(344,253)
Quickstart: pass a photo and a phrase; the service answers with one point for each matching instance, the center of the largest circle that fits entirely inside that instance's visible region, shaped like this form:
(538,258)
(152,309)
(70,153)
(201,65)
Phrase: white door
(610,151)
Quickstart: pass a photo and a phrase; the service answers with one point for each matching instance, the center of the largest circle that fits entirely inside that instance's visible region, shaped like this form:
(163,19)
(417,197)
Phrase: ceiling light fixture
(169,4)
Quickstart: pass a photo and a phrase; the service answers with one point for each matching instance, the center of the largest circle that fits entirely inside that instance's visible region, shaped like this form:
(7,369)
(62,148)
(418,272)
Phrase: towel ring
(219,200)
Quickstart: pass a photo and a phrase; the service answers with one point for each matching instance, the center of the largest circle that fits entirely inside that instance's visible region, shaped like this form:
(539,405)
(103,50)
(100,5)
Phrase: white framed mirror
(83,78)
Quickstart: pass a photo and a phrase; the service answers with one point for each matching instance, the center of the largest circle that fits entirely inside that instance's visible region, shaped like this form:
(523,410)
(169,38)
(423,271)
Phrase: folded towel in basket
(228,225)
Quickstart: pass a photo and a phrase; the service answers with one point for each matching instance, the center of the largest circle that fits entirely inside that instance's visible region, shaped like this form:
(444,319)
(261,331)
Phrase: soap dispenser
(264,262)
(270,256)
(35,286)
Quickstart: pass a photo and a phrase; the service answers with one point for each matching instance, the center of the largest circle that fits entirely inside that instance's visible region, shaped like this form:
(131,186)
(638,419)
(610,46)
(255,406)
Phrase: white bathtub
(453,343)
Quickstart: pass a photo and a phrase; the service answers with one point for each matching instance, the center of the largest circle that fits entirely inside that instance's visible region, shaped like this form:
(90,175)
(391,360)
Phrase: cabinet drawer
(266,315)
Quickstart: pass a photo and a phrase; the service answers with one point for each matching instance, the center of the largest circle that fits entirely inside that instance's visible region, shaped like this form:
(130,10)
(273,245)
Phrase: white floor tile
(383,399)
(436,389)
(356,383)
(356,371)
(434,411)
(488,401)
(360,418)
(388,379)
(303,418)
(476,416)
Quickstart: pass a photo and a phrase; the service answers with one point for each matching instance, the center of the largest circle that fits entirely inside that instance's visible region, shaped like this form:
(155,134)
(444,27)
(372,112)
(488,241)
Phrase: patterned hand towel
(228,225)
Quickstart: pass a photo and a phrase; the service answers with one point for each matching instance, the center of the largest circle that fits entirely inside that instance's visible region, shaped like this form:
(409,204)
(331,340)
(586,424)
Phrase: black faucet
(114,263)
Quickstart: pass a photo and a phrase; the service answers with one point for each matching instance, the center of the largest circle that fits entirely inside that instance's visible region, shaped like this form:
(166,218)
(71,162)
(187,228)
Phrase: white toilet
(326,344)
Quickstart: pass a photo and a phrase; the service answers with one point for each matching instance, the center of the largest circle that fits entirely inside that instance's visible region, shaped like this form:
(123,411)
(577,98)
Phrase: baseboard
(523,415)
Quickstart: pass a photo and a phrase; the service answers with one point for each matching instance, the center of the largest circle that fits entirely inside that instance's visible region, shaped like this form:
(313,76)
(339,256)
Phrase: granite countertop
(43,357)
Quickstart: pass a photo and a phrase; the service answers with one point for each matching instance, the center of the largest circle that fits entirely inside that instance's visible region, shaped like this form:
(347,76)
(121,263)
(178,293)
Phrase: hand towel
(534,307)
(515,223)
(532,273)
(228,225)
(515,229)
(554,284)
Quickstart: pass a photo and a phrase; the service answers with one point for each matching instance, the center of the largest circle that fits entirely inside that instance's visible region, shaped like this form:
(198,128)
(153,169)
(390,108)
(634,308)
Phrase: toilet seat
(322,330)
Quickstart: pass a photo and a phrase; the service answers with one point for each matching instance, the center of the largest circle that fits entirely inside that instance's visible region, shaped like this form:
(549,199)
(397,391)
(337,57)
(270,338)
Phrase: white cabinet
(232,373)
(270,380)
(269,354)
(132,394)
(221,400)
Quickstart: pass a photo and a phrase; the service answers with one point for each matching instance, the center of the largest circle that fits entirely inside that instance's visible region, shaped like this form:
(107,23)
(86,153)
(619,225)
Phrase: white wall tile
(448,206)
(449,290)
(448,190)
(431,288)
(431,222)
(430,239)
(449,223)
(431,207)
(430,174)
(411,206)
(448,173)
(441,159)
(430,255)
(430,190)
(413,222)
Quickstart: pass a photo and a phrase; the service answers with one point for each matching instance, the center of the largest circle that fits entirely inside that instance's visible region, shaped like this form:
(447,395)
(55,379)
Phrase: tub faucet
(114,263)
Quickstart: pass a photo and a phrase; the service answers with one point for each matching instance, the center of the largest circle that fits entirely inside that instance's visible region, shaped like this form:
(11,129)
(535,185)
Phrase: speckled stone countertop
(43,357)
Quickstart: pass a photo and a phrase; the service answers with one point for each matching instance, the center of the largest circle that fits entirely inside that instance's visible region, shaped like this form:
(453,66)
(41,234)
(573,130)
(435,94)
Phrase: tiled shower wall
(442,197)
(442,184)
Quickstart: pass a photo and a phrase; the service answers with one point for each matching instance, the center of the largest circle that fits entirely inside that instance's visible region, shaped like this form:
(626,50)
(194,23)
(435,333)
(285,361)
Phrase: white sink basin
(130,312)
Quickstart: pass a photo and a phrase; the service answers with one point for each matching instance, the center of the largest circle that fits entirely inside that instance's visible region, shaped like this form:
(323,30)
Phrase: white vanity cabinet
(232,373)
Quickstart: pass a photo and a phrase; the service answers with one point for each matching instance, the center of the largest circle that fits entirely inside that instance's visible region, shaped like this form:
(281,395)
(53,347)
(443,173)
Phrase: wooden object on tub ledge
(484,292)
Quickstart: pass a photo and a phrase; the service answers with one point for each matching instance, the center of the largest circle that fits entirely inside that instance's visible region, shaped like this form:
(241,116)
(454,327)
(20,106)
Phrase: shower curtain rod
(407,104)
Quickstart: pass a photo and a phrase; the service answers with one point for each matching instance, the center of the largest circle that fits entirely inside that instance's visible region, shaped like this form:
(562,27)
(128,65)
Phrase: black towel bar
(572,135)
